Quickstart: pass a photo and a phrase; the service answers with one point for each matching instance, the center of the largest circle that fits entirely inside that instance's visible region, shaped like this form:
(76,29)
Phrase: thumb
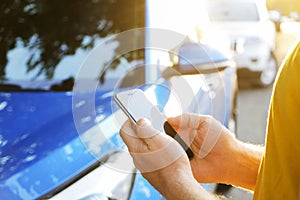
(162,149)
(144,129)
(151,136)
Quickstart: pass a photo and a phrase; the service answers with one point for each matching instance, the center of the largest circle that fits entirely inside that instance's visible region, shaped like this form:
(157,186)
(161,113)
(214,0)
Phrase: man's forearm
(178,184)
(246,164)
(243,172)
(188,189)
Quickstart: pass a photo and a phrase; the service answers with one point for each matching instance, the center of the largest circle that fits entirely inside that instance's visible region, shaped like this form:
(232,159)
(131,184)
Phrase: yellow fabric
(279,174)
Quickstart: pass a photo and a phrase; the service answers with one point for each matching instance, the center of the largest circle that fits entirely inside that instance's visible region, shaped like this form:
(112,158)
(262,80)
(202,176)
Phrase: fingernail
(143,122)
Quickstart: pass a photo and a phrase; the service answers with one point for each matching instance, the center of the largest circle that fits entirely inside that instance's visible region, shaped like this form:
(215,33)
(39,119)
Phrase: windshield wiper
(65,85)
(7,87)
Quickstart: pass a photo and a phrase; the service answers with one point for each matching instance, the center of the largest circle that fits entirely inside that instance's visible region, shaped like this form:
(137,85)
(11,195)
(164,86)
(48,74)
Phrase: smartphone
(135,104)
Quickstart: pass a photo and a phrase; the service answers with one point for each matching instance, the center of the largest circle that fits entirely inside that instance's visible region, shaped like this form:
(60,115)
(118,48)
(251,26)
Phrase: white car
(252,35)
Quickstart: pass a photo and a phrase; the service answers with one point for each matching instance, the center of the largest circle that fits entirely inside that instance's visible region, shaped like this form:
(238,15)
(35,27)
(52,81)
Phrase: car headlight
(108,181)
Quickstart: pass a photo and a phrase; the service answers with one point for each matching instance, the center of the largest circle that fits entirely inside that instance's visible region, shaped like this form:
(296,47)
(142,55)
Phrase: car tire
(267,76)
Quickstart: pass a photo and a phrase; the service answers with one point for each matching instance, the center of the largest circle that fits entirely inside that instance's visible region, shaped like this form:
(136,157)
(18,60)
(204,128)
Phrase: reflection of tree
(60,27)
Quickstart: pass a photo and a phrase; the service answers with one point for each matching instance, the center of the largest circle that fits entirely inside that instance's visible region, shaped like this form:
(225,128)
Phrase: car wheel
(268,75)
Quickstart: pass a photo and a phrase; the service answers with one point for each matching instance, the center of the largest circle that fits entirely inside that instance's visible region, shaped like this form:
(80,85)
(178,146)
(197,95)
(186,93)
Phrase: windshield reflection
(36,36)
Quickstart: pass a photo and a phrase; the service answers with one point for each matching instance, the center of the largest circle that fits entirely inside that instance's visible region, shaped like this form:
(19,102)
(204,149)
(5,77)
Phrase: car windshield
(232,11)
(43,43)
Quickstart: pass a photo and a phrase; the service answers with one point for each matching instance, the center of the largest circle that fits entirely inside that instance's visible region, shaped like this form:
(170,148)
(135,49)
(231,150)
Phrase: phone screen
(136,105)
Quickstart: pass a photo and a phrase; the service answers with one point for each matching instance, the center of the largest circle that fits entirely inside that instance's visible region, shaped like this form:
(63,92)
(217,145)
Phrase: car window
(43,43)
(232,11)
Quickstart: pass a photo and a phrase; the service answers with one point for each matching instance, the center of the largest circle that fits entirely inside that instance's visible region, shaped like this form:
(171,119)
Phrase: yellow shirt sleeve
(279,174)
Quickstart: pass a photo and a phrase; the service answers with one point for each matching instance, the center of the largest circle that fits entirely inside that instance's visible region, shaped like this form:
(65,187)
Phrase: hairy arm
(245,165)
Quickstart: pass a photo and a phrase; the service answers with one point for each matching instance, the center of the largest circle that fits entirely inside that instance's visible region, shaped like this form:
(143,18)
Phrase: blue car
(61,63)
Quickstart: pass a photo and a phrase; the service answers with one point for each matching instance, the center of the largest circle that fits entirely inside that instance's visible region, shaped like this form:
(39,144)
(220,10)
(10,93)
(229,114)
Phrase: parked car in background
(60,65)
(253,37)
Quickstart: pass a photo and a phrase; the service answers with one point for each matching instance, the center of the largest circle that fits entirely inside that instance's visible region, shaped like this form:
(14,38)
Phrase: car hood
(40,143)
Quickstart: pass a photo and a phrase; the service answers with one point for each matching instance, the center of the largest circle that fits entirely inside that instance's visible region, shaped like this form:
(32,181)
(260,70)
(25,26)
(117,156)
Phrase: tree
(57,27)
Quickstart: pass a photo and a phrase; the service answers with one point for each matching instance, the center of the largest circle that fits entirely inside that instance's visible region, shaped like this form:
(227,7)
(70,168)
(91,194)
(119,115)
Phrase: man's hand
(162,161)
(219,156)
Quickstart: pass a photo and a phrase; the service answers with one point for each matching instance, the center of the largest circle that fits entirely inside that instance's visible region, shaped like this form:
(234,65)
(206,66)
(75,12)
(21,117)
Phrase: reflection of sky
(69,66)
(101,55)
(17,58)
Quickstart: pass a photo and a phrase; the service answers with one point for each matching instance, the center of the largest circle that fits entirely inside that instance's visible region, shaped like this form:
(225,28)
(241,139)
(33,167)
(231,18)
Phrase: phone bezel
(124,109)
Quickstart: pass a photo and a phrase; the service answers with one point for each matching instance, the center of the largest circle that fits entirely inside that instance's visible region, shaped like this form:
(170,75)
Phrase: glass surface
(43,43)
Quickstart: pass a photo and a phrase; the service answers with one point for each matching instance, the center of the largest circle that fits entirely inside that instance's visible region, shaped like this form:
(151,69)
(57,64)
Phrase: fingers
(150,149)
(187,125)
(211,138)
(128,135)
(201,130)
(144,129)
(143,137)
(186,120)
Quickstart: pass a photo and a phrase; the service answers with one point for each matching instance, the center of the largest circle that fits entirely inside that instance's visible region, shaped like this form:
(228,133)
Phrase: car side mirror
(196,58)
